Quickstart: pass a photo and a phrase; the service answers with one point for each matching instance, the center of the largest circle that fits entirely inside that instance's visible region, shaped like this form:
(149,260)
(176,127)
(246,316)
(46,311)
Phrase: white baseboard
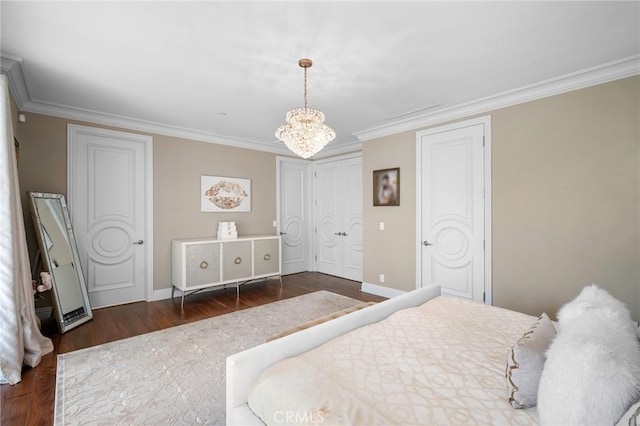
(162,294)
(44,312)
(165,293)
(379,290)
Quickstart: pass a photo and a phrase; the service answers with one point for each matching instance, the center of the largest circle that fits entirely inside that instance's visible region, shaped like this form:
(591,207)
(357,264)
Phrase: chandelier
(304,131)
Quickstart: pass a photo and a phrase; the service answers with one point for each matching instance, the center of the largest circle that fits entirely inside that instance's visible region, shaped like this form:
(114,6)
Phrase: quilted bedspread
(437,364)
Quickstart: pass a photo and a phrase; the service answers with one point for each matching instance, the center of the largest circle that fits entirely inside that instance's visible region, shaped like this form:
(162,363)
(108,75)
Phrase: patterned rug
(174,376)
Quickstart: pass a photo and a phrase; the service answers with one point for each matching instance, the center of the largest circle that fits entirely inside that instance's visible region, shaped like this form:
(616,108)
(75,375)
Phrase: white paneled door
(338,214)
(452,182)
(352,225)
(110,201)
(294,214)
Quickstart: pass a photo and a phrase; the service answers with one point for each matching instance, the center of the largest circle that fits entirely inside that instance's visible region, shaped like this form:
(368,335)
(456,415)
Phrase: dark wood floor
(31,401)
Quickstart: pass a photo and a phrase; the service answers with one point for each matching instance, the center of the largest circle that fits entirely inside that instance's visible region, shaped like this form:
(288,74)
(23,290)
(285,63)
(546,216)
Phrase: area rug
(174,376)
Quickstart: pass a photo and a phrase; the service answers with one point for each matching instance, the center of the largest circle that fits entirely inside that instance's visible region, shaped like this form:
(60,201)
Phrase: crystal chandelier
(304,131)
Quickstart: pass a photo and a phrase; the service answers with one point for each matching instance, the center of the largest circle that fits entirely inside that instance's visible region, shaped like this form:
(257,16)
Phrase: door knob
(344,234)
(138,242)
(283,233)
(426,243)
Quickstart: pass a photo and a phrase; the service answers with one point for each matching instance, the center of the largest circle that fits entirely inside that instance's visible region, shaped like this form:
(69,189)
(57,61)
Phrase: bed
(485,331)
(419,358)
(244,368)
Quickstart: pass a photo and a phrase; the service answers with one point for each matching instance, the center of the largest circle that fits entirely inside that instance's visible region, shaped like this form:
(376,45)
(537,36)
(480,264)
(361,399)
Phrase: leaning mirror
(60,258)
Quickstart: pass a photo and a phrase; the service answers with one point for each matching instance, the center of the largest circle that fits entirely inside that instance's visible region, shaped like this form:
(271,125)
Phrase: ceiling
(227,71)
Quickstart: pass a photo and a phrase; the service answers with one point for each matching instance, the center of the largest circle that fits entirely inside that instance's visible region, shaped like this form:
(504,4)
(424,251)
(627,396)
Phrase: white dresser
(199,263)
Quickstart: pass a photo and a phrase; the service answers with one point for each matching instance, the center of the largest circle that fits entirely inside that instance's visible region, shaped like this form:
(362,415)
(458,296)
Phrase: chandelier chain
(305,88)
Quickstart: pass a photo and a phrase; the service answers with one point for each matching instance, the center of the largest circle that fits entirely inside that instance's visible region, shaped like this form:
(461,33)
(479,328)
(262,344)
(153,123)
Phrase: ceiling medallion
(304,131)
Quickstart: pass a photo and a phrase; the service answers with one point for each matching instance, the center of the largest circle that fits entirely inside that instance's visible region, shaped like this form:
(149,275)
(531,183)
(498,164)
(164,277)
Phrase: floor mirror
(60,258)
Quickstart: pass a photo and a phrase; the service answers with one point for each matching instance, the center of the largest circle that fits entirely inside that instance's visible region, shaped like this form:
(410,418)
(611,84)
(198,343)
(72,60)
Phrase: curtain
(20,339)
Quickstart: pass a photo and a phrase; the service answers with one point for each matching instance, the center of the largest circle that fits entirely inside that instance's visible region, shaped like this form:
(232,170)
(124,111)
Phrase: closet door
(352,219)
(338,217)
(111,206)
(294,214)
(452,202)
(329,195)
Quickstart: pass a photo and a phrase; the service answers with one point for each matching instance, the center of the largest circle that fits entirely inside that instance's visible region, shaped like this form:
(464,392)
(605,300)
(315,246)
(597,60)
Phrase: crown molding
(604,73)
(19,87)
(332,149)
(11,66)
(95,117)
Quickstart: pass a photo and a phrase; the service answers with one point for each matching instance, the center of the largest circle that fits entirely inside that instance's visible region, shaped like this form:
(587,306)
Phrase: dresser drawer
(266,255)
(202,264)
(236,260)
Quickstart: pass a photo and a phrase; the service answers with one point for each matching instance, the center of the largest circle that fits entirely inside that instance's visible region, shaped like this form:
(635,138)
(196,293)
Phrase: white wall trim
(338,158)
(72,131)
(165,293)
(488,272)
(161,294)
(339,148)
(622,68)
(604,73)
(379,290)
(44,312)
(11,66)
(19,87)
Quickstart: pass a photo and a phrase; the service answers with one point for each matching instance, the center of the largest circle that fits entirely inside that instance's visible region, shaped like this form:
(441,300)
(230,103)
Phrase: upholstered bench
(320,320)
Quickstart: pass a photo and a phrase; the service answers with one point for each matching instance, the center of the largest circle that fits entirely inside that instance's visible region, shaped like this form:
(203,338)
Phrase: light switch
(381,278)
(382,226)
(275,224)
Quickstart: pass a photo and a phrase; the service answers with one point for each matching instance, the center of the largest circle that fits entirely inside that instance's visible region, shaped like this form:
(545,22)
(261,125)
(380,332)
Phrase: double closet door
(338,217)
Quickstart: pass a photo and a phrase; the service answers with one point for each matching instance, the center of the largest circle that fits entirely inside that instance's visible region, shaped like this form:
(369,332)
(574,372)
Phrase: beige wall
(390,252)
(566,196)
(566,200)
(178,165)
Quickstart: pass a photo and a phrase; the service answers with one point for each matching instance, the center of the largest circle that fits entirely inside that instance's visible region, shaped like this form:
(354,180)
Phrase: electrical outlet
(275,224)
(382,226)
(381,278)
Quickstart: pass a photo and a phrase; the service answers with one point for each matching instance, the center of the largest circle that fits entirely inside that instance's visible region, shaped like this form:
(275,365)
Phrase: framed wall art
(386,187)
(225,194)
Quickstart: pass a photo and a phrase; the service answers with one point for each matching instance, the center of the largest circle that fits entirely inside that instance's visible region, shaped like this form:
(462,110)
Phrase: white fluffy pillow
(592,371)
(525,361)
(590,298)
(631,417)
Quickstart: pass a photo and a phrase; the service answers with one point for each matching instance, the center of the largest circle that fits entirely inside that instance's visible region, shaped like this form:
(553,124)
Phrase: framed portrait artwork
(386,187)
(225,194)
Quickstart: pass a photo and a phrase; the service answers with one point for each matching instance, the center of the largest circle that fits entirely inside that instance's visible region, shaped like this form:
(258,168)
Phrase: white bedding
(440,363)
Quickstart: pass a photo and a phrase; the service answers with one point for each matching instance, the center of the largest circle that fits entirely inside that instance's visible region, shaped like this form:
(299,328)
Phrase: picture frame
(225,194)
(386,187)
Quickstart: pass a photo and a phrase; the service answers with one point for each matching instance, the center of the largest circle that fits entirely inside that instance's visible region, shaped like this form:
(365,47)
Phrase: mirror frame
(63,325)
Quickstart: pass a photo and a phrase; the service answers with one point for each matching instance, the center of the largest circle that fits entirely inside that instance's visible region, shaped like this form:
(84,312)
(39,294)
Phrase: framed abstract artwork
(225,194)
(386,187)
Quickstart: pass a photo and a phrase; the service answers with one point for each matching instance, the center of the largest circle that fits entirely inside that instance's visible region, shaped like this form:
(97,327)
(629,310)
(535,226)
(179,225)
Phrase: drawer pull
(237,260)
(267,256)
(203,265)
